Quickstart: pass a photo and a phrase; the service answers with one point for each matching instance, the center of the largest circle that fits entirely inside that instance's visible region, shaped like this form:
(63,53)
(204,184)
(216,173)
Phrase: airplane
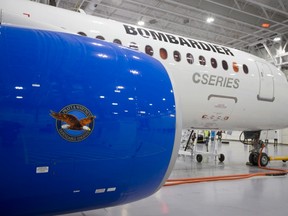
(137,86)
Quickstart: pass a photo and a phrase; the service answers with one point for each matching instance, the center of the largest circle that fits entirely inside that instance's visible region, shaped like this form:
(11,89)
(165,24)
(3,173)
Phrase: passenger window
(163,53)
(202,60)
(224,65)
(149,50)
(190,58)
(82,33)
(177,56)
(235,67)
(117,41)
(100,37)
(133,45)
(245,69)
(213,62)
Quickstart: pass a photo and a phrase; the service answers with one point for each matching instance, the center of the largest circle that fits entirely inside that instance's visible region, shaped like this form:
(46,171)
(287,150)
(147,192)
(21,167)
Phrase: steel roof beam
(247,13)
(269,7)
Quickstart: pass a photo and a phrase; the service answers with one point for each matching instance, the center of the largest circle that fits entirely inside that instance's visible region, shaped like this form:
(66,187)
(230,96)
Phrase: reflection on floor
(250,197)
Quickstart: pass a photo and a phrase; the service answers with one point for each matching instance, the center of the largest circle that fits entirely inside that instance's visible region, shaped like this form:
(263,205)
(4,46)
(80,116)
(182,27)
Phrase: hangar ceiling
(237,23)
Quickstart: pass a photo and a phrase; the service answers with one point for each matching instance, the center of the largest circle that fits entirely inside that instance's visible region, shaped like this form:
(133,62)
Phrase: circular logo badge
(74,122)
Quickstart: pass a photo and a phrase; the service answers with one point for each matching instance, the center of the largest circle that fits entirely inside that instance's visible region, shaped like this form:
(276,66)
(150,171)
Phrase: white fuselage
(209,96)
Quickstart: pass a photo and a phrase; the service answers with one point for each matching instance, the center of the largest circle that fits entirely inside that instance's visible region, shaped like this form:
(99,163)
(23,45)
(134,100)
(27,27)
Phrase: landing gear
(256,152)
(221,157)
(199,158)
(264,159)
(253,158)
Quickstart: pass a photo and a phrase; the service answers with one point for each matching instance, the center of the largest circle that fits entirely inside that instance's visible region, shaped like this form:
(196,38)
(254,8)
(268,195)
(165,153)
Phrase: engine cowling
(124,154)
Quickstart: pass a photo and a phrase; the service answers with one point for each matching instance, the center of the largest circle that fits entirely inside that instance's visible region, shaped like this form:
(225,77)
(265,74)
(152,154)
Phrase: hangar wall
(284,136)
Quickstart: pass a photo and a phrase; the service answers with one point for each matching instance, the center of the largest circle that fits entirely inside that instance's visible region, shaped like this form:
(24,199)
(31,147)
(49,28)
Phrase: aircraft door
(266,85)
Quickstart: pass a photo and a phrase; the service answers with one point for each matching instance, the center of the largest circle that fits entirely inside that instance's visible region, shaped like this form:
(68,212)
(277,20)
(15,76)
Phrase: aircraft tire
(199,158)
(264,159)
(221,157)
(253,158)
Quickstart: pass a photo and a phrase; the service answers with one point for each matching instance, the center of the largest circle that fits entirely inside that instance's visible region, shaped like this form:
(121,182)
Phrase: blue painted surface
(131,143)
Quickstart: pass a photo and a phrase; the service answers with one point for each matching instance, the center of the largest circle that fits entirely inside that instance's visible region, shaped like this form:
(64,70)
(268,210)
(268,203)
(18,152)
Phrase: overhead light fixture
(265,25)
(153,21)
(210,20)
(141,23)
(185,21)
(277,39)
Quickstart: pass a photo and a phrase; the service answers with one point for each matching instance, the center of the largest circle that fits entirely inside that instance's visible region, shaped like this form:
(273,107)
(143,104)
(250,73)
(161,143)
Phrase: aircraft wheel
(264,159)
(284,161)
(221,157)
(199,158)
(253,158)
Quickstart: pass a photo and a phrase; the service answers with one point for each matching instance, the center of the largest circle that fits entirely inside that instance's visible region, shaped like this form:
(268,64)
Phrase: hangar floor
(263,196)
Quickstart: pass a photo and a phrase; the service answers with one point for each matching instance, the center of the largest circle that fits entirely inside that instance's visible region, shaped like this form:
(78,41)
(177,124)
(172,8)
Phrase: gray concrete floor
(248,197)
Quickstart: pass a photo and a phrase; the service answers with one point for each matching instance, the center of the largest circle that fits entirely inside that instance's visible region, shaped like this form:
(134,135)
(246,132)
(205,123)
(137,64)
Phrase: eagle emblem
(74,122)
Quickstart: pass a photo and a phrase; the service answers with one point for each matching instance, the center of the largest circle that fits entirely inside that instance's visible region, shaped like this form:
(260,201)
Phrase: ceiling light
(141,23)
(185,21)
(153,21)
(276,39)
(210,20)
(265,25)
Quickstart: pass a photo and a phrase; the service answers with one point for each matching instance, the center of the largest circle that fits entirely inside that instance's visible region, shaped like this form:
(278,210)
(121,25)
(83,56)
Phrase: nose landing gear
(254,158)
(256,152)
(257,157)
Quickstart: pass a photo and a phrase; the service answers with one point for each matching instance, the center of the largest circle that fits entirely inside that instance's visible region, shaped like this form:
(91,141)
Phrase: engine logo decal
(74,122)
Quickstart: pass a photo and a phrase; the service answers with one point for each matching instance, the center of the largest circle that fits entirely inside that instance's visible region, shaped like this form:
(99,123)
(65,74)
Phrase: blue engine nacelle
(51,86)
